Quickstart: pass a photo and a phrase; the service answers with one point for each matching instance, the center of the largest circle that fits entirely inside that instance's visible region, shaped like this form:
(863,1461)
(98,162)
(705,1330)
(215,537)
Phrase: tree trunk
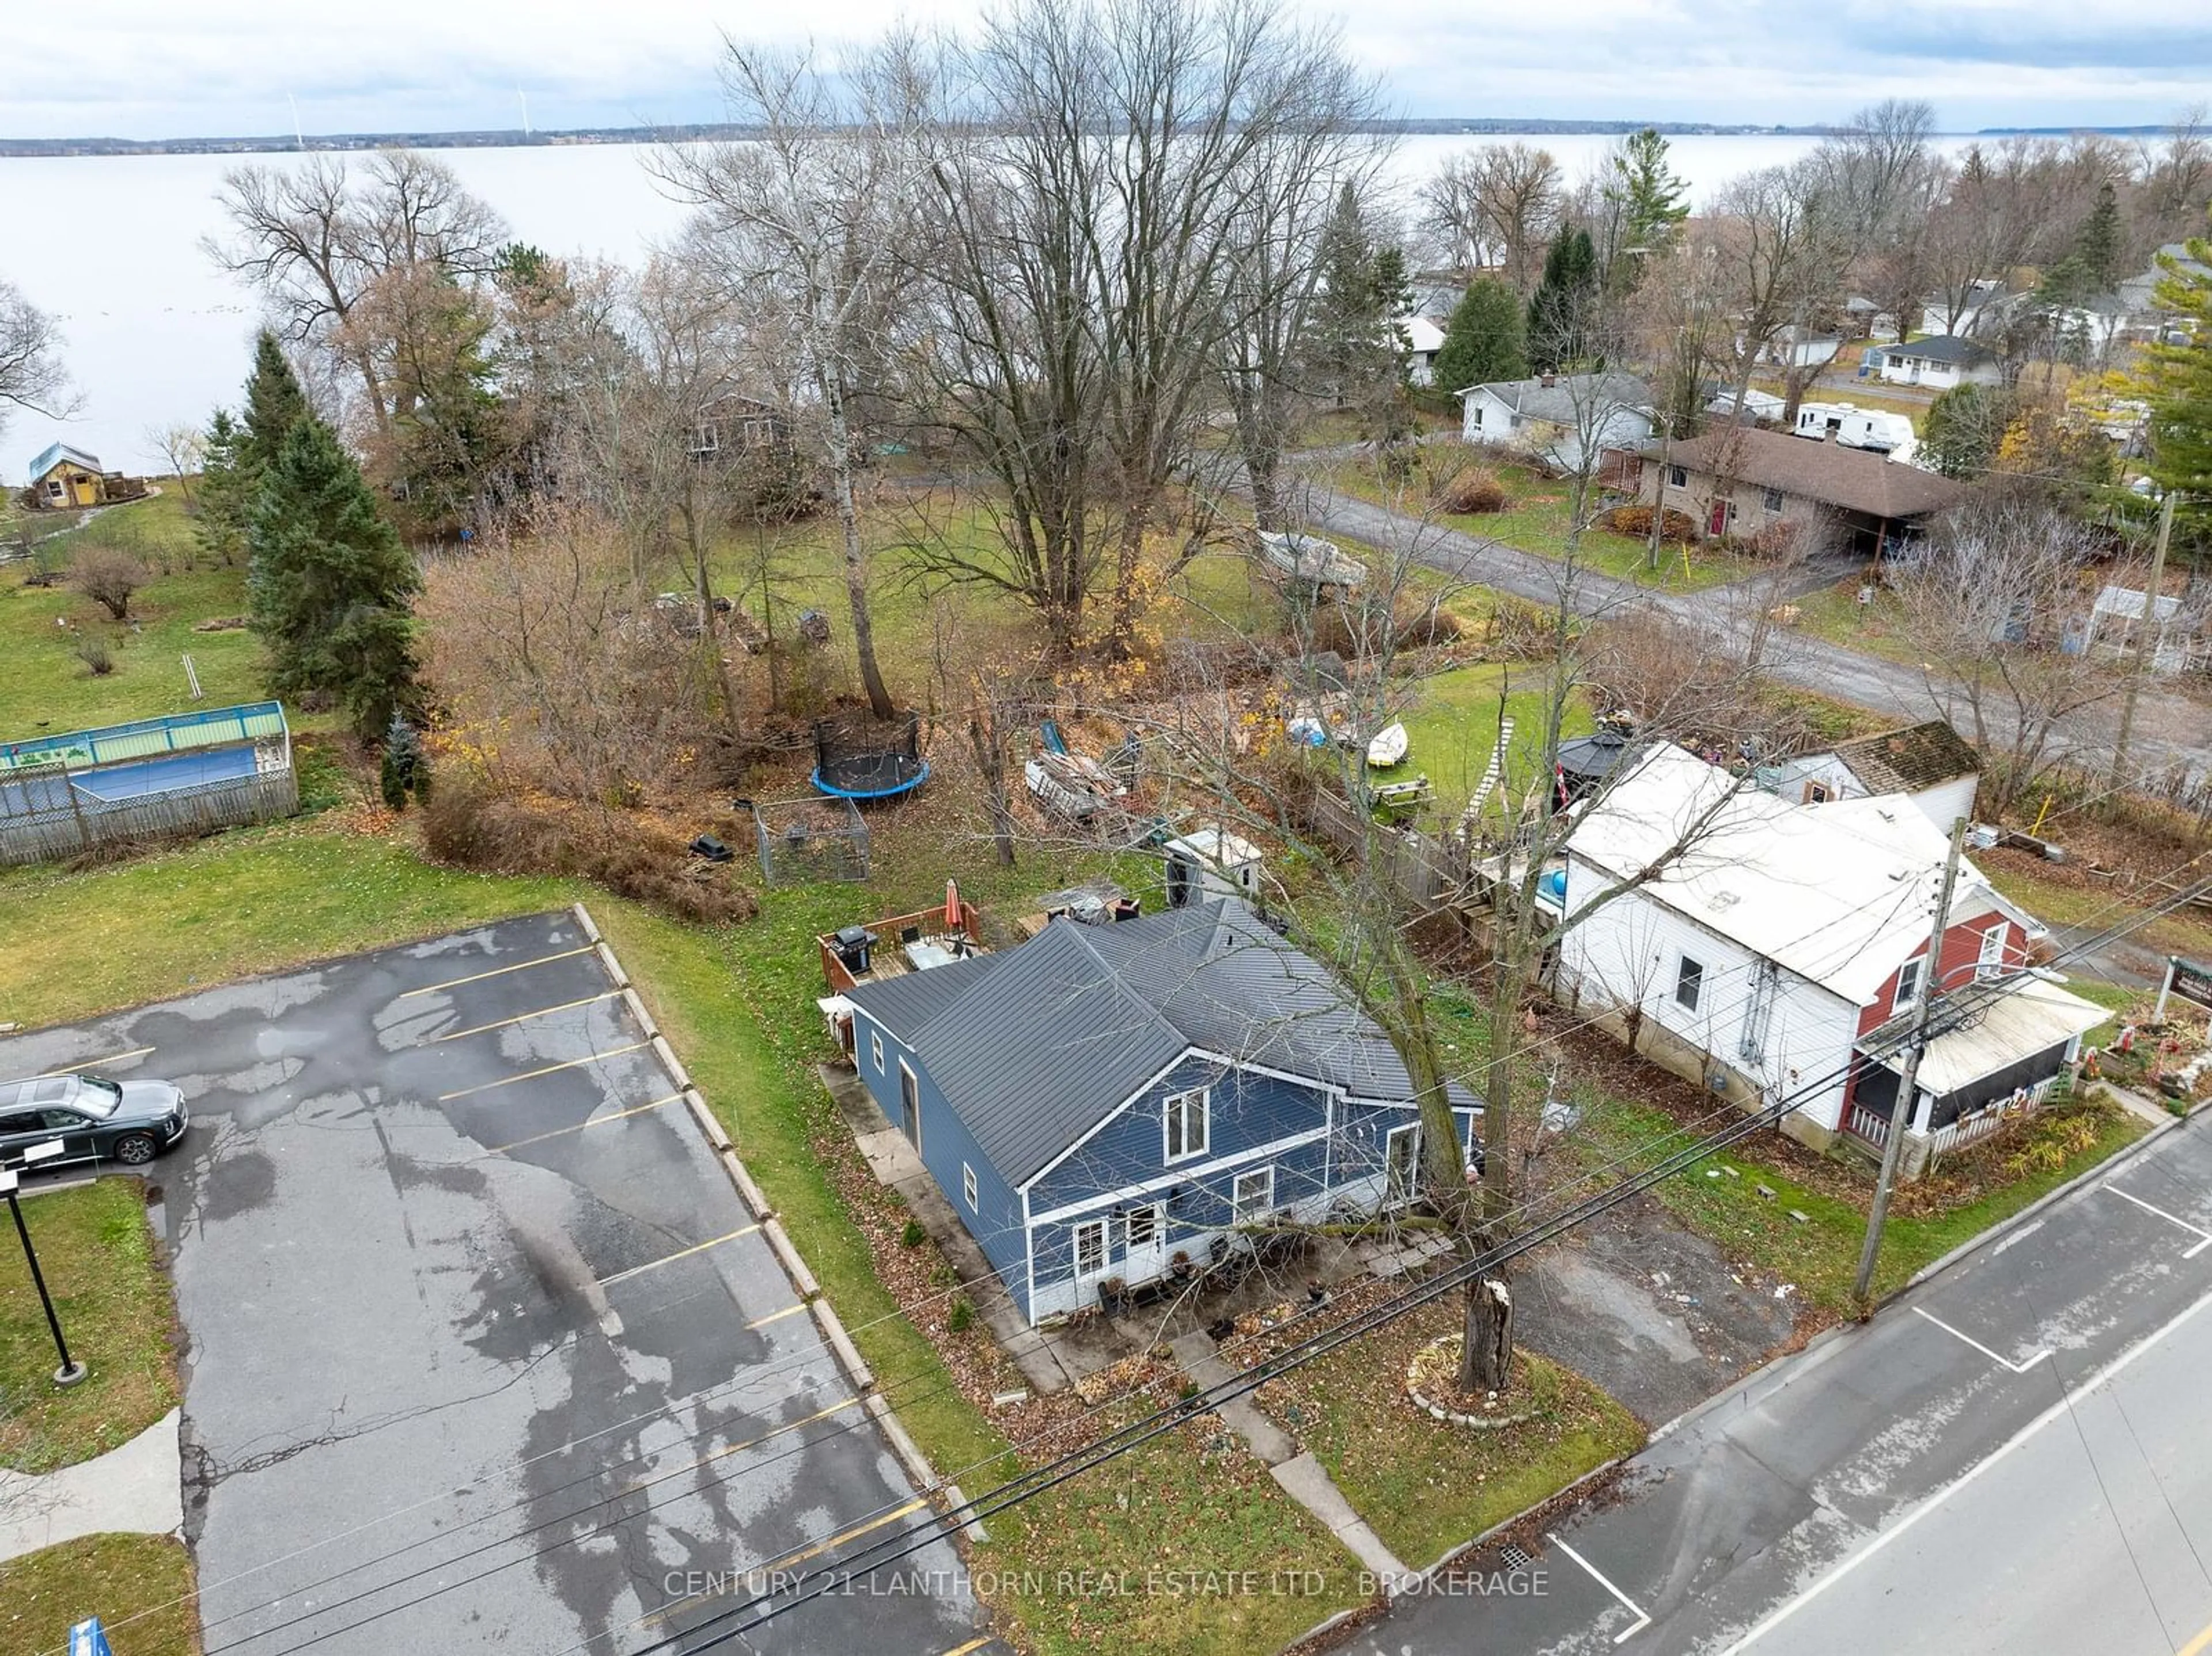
(710,639)
(1127,555)
(856,558)
(1485,1360)
(990,761)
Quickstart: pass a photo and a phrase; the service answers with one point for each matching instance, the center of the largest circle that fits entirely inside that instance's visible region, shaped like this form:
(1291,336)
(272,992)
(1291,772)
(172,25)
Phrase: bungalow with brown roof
(1737,480)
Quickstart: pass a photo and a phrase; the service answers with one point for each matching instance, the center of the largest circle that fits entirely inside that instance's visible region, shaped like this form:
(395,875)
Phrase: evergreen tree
(1561,310)
(1648,200)
(330,582)
(2097,244)
(1963,428)
(1354,339)
(2176,382)
(226,492)
(274,403)
(1483,342)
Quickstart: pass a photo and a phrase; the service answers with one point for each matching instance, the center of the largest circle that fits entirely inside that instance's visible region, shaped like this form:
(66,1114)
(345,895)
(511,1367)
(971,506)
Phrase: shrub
(961,1318)
(1777,540)
(108,576)
(1635,522)
(1356,630)
(1470,492)
(914,1235)
(92,651)
(389,780)
(469,824)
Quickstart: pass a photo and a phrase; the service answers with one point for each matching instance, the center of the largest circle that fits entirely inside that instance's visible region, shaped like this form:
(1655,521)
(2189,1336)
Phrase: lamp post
(72,1371)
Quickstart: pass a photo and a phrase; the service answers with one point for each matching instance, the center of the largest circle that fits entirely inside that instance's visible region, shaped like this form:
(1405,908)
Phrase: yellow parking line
(112,1057)
(724,1452)
(775,1316)
(2197,1646)
(550,1068)
(496,971)
(523,1017)
(972,1645)
(681,1253)
(597,1120)
(821,1547)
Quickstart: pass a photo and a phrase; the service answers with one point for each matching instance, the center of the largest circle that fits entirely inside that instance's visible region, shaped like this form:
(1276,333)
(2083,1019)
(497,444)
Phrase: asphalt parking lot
(485,1353)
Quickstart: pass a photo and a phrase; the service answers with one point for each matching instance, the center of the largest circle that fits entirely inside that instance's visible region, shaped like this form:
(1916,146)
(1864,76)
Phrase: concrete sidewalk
(137,1488)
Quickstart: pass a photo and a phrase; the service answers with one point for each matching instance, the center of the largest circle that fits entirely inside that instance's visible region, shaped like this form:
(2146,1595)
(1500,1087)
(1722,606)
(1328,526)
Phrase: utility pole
(2149,625)
(72,1371)
(1900,1113)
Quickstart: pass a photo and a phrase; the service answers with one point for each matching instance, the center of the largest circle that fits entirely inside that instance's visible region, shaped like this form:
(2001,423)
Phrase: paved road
(2017,1453)
(483,1345)
(2169,729)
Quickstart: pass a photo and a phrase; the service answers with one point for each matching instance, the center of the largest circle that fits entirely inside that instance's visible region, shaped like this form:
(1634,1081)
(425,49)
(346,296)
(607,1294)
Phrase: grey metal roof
(55,454)
(1033,1054)
(1570,399)
(912,998)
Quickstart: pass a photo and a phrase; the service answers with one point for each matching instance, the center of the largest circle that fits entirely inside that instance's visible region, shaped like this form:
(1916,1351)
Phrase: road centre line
(561,1132)
(523,1017)
(2061,1409)
(2016,1367)
(496,971)
(2199,1230)
(681,1253)
(550,1068)
(112,1057)
(1643,1617)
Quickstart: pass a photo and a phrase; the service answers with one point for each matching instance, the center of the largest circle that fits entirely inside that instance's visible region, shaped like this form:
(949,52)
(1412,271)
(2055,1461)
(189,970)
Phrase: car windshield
(97,1096)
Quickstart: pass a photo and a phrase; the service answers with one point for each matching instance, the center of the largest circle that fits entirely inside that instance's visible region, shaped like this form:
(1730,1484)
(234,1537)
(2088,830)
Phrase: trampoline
(863,759)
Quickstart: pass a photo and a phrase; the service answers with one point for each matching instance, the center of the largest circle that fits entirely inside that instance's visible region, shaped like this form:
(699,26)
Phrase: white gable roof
(1840,893)
(1423,337)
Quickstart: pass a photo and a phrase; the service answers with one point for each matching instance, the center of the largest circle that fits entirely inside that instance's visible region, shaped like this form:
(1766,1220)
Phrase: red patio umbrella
(951,906)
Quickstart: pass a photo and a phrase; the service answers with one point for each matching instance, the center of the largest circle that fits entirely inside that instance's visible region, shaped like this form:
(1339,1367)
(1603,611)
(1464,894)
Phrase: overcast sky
(151,68)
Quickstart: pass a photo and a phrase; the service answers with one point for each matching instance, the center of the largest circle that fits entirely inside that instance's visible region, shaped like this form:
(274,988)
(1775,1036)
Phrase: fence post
(77,809)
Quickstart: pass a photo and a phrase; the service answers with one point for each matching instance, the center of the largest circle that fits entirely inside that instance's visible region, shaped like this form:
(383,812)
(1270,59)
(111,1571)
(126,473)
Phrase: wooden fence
(51,835)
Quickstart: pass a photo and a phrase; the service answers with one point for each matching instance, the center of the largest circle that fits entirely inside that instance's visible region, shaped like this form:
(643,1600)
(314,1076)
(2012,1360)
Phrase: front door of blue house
(909,1105)
(1090,1241)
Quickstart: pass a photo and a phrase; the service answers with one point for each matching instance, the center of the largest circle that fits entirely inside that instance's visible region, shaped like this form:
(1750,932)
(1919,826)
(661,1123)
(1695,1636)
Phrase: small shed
(2177,643)
(62,477)
(1208,863)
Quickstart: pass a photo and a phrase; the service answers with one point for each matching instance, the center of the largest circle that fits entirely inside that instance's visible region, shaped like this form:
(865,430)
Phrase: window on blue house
(1187,1134)
(1144,1225)
(876,1049)
(968,1185)
(1253,1196)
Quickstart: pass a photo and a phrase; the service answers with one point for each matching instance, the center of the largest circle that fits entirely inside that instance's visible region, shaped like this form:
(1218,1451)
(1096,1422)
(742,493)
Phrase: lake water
(154,333)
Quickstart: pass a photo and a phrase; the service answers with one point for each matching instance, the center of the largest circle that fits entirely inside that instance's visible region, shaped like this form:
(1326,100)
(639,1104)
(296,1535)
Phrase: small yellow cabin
(63,477)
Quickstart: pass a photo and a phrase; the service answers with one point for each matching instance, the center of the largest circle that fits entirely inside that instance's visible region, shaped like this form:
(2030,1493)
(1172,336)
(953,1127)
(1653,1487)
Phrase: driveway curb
(858,1374)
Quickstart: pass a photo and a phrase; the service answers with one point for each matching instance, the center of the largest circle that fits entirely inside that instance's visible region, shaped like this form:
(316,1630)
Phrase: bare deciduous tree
(30,373)
(313,239)
(1497,206)
(107,575)
(1999,610)
(807,216)
(184,447)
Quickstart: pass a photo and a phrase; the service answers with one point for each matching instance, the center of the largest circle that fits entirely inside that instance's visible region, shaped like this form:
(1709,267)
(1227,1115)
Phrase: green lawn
(1427,1486)
(140,1587)
(1451,724)
(1834,613)
(45,686)
(116,1313)
(1536,518)
(245,902)
(1821,1255)
(2186,932)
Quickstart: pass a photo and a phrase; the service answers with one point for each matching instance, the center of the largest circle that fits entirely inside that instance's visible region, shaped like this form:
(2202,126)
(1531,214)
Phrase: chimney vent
(1550,380)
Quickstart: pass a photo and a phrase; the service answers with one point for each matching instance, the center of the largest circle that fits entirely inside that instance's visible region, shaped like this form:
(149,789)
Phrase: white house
(1940,361)
(1983,306)
(1775,942)
(1559,420)
(2139,293)
(1929,764)
(1423,339)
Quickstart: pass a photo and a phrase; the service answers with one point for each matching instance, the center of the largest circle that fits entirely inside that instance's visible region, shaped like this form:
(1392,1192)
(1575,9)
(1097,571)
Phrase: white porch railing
(1865,1124)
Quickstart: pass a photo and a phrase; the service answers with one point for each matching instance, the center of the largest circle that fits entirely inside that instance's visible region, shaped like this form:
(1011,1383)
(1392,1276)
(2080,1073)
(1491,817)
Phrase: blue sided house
(1104,1099)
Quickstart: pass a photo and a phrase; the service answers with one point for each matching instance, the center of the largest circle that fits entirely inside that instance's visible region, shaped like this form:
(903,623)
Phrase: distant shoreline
(281,143)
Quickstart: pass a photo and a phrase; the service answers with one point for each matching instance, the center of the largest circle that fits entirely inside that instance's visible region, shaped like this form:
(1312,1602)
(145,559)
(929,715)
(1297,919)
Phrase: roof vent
(1723,900)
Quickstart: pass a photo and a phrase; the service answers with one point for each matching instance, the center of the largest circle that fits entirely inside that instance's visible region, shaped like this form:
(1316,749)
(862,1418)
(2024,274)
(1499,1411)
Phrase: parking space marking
(550,1068)
(561,1132)
(820,1547)
(971,1646)
(775,1316)
(496,971)
(112,1057)
(1643,1617)
(669,1258)
(2016,1367)
(724,1452)
(2198,1230)
(522,1017)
